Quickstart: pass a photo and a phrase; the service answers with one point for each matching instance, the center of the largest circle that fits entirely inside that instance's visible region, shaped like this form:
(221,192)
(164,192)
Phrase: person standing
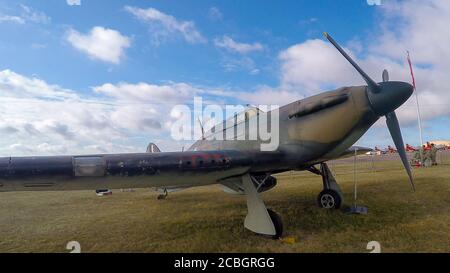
(433,153)
(426,156)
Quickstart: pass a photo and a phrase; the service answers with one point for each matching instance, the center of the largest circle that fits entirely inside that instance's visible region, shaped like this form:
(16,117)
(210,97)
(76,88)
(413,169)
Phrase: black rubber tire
(277,222)
(333,197)
(161,197)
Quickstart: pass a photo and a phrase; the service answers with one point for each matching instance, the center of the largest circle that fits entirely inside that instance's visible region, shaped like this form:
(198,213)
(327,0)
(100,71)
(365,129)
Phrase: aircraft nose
(389,97)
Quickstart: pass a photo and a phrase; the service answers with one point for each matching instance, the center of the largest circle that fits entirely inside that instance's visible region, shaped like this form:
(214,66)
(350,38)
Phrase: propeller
(373,86)
(396,134)
(385,97)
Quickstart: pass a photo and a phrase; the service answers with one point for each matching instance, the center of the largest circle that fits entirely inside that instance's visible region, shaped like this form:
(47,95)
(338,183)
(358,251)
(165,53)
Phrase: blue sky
(274,24)
(247,51)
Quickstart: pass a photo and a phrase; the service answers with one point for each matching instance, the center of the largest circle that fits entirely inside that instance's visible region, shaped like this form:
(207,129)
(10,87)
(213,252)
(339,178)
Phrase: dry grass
(208,220)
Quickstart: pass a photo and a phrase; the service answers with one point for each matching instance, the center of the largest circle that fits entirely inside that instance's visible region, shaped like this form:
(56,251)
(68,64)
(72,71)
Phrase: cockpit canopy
(234,121)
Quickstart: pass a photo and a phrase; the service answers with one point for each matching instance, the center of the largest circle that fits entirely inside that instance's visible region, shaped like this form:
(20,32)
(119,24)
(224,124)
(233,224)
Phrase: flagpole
(419,118)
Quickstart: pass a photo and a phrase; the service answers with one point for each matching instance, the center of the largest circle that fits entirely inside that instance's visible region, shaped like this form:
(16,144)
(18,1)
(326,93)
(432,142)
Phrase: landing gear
(259,219)
(277,222)
(163,195)
(331,197)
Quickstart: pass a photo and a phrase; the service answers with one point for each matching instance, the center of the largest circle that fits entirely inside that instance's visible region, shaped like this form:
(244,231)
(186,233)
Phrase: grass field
(208,220)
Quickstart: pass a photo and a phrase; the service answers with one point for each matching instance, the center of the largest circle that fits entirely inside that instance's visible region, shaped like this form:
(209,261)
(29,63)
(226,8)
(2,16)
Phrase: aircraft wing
(351,151)
(116,171)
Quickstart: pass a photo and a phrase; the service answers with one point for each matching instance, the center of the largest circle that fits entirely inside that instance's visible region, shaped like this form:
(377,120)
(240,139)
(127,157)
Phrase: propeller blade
(374,87)
(396,134)
(385,76)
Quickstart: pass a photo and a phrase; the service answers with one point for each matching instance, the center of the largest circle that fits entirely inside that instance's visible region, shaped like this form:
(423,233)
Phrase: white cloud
(37,118)
(38,46)
(269,96)
(27,15)
(100,43)
(239,63)
(254,71)
(31,15)
(164,25)
(231,62)
(215,14)
(148,93)
(73,2)
(115,117)
(308,21)
(313,64)
(231,45)
(18,86)
(418,26)
(12,19)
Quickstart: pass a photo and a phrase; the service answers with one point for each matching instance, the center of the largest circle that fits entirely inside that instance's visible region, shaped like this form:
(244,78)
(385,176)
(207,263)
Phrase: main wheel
(277,222)
(161,196)
(329,199)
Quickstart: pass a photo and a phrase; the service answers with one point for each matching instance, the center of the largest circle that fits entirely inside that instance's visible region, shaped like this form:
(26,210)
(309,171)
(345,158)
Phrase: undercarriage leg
(259,219)
(329,182)
(331,197)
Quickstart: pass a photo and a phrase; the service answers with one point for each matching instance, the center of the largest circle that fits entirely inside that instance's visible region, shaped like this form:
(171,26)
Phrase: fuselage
(312,130)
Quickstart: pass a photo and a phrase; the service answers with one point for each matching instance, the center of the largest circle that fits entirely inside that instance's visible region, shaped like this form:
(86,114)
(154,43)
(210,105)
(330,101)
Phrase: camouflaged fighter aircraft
(312,131)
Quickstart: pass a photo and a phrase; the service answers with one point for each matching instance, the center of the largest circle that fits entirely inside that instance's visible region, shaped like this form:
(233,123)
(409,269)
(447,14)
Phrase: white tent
(445,143)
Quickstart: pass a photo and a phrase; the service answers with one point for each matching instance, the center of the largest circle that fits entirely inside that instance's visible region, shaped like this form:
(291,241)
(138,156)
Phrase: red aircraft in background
(391,150)
(410,148)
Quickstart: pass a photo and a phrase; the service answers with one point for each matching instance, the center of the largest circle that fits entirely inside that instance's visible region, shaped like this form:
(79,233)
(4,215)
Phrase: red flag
(412,72)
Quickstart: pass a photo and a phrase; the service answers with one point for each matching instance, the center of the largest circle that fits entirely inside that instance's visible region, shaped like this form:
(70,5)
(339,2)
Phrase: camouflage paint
(312,130)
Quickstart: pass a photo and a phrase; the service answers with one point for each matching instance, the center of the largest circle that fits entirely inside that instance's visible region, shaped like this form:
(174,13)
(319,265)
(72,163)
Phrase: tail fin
(152,148)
